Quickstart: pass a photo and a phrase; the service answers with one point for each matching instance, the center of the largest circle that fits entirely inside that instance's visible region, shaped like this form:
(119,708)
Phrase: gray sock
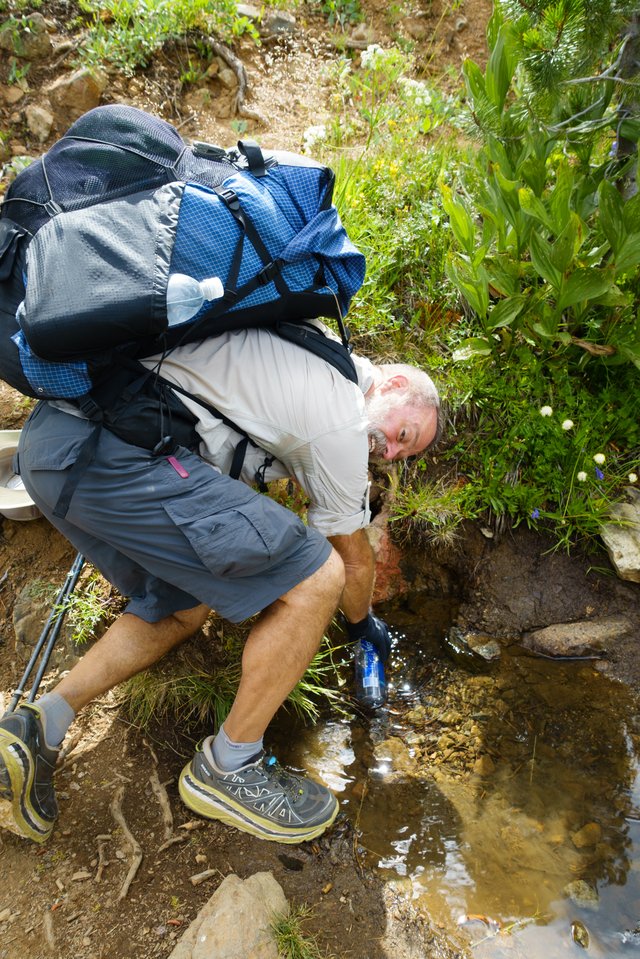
(58,716)
(229,755)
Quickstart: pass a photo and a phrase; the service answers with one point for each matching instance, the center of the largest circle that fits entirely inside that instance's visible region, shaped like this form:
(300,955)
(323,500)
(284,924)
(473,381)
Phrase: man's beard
(377,444)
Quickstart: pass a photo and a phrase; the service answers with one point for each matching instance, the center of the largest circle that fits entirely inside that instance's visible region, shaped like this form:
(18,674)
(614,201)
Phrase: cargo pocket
(244,536)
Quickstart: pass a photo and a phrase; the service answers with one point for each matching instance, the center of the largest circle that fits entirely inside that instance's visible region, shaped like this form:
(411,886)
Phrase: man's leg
(28,754)
(258,796)
(128,646)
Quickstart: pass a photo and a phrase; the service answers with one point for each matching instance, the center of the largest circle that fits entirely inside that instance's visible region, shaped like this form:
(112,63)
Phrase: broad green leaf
(534,173)
(460,220)
(530,203)
(504,274)
(543,331)
(628,254)
(565,247)
(612,215)
(500,68)
(474,79)
(630,129)
(559,201)
(474,288)
(542,261)
(584,285)
(474,346)
(505,312)
(632,213)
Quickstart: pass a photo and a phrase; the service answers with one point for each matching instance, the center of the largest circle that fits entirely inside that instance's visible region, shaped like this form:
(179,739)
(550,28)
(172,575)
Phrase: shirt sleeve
(338,483)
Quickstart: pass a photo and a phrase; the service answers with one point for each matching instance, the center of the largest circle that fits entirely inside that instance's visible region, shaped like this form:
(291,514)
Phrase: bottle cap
(212,288)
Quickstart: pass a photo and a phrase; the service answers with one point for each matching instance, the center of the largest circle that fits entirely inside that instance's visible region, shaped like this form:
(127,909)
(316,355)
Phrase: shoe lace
(289,782)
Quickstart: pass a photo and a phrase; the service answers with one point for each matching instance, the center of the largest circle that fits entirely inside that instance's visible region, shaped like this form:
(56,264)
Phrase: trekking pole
(48,636)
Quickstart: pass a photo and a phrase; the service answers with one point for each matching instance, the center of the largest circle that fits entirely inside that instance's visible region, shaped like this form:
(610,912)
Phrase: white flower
(313,135)
(567,425)
(371,57)
(599,458)
(581,477)
(546,411)
(633,477)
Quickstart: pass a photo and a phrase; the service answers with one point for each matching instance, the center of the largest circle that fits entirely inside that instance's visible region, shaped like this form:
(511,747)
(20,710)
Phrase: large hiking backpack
(96,226)
(91,232)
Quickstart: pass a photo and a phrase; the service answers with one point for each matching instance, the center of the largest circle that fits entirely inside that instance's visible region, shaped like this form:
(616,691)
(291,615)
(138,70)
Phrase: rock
(277,23)
(236,922)
(474,651)
(248,10)
(39,121)
(484,766)
(390,581)
(28,40)
(416,27)
(228,78)
(589,835)
(11,94)
(396,754)
(582,894)
(30,612)
(623,542)
(585,638)
(72,95)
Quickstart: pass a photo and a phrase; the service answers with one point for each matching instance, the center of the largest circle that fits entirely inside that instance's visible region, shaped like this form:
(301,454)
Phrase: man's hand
(375,631)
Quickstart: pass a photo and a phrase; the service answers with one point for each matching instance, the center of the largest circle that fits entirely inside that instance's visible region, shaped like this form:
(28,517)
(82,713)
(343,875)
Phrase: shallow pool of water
(505,804)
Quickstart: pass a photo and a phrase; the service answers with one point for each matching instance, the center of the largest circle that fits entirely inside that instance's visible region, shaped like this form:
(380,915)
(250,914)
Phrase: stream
(504,803)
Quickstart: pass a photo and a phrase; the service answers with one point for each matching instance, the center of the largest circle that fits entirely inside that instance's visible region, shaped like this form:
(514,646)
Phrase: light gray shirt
(294,407)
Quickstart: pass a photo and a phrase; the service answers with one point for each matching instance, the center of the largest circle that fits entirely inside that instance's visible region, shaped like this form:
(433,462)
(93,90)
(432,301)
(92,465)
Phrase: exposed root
(136,849)
(241,75)
(161,795)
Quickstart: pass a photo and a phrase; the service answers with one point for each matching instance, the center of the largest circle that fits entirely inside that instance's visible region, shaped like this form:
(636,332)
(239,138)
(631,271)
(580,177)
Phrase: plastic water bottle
(185,296)
(371,686)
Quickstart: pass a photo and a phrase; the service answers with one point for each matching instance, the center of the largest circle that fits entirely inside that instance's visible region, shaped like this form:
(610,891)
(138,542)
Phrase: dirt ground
(63,898)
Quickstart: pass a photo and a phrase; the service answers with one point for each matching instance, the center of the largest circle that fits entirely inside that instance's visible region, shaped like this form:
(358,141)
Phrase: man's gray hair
(421,390)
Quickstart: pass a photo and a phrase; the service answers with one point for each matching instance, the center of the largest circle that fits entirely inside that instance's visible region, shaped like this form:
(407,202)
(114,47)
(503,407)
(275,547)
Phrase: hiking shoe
(27,765)
(261,798)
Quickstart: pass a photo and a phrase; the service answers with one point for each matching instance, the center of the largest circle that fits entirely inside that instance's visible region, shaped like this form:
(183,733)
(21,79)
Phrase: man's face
(396,428)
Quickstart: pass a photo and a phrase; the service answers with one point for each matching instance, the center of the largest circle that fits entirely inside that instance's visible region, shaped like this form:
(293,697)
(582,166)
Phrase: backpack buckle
(268,272)
(229,196)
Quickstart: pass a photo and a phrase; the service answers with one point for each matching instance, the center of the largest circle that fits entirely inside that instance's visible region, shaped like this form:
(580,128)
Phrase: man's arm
(357,555)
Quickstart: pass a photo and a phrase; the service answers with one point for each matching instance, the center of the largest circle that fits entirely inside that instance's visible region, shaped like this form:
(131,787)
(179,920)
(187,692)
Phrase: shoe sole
(16,812)
(212,805)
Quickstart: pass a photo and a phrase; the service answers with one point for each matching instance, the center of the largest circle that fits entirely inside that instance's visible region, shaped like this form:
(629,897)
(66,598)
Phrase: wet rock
(586,638)
(473,651)
(579,934)
(28,40)
(396,754)
(484,766)
(623,542)
(39,121)
(582,894)
(416,716)
(236,922)
(589,835)
(72,95)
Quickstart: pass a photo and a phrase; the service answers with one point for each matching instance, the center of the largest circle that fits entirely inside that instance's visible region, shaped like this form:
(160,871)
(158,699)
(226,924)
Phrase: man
(179,537)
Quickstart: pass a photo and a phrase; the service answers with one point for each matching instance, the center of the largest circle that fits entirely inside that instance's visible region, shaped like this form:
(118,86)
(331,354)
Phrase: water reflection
(513,796)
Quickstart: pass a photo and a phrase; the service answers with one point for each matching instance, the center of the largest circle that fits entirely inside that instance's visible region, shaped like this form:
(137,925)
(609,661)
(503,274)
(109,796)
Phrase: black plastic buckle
(229,196)
(268,272)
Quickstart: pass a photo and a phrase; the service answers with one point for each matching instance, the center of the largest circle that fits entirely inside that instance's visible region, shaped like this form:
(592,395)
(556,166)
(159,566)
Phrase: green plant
(342,13)
(548,249)
(292,942)
(126,33)
(89,608)
(195,685)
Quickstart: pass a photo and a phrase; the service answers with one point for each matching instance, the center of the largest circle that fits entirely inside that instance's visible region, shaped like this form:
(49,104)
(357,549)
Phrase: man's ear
(397,382)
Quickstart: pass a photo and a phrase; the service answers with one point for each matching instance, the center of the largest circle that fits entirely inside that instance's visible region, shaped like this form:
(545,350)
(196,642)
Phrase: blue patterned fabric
(286,208)
(65,381)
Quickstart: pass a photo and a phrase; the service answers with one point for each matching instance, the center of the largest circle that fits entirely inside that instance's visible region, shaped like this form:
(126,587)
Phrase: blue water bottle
(371,687)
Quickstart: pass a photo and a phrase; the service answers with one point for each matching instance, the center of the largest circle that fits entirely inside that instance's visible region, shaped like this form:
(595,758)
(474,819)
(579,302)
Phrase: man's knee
(323,588)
